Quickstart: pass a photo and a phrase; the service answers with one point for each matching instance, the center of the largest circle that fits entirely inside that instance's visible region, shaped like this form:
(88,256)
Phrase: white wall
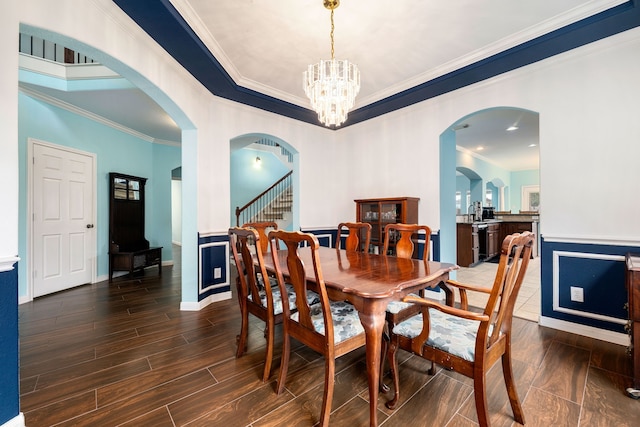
(588,104)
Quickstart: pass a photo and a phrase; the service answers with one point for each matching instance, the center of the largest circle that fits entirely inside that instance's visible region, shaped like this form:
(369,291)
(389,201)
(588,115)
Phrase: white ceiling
(265,46)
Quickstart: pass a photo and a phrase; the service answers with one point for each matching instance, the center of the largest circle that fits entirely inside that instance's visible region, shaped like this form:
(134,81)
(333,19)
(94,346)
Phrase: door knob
(89,225)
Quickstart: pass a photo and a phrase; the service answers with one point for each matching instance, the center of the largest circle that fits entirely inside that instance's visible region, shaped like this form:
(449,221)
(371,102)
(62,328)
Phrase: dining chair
(263,229)
(465,341)
(359,236)
(262,298)
(402,235)
(400,238)
(332,328)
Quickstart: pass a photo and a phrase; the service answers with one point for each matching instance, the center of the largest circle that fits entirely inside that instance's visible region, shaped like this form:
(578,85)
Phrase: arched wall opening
(457,163)
(250,176)
(162,165)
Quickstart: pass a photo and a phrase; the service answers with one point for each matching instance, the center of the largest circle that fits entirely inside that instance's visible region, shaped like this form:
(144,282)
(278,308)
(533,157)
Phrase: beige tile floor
(528,302)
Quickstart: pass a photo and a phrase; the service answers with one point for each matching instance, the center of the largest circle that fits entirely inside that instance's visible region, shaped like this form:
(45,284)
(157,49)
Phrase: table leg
(373,324)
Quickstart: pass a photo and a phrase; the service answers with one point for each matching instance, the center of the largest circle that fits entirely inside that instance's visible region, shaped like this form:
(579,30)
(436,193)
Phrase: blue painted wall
(514,181)
(213,253)
(518,180)
(599,270)
(248,179)
(9,388)
(115,151)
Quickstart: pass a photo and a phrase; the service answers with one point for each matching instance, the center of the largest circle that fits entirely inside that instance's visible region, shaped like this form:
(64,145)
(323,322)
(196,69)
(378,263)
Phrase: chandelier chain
(332,28)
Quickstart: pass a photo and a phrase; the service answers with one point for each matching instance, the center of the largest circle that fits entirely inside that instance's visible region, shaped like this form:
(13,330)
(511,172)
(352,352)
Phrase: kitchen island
(480,241)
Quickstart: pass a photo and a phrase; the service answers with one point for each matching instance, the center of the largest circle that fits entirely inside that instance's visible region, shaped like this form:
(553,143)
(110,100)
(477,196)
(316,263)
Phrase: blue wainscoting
(599,270)
(9,388)
(213,265)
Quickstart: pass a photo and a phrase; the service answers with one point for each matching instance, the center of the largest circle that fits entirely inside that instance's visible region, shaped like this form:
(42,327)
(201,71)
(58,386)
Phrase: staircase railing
(255,209)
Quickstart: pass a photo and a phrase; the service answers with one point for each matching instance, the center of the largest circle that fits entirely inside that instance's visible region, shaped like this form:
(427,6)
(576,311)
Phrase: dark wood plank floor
(124,354)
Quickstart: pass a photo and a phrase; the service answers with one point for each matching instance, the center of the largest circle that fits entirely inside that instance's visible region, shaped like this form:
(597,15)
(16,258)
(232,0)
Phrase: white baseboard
(17,421)
(587,331)
(197,306)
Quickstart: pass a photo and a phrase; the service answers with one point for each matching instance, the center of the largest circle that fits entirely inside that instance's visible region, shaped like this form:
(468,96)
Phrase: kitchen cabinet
(467,244)
(493,240)
(380,212)
(488,236)
(509,227)
(632,278)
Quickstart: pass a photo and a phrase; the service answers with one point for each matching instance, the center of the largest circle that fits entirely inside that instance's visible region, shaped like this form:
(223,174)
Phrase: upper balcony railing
(46,49)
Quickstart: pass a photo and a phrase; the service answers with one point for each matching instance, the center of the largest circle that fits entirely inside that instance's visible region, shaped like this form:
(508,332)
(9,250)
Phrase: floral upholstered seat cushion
(395,307)
(452,334)
(346,322)
(312,297)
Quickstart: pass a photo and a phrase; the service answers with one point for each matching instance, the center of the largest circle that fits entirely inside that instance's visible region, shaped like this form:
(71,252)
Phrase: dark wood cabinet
(129,250)
(467,244)
(380,212)
(493,241)
(633,305)
(508,228)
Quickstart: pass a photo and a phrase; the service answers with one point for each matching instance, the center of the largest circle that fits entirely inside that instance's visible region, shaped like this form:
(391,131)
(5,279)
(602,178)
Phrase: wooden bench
(134,260)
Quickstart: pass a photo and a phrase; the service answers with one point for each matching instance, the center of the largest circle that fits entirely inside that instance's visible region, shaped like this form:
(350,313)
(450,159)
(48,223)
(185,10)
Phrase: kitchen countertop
(461,219)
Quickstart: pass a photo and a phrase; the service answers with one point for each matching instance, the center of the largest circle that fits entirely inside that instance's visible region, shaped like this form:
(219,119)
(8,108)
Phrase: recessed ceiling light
(512,128)
(479,148)
(533,145)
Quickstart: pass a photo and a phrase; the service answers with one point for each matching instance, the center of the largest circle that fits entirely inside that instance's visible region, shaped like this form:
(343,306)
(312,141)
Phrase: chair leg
(269,331)
(393,365)
(284,363)
(329,380)
(432,369)
(480,392)
(383,355)
(507,371)
(241,339)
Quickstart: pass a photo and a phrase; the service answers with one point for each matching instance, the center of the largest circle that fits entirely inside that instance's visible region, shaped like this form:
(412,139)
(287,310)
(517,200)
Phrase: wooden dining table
(370,282)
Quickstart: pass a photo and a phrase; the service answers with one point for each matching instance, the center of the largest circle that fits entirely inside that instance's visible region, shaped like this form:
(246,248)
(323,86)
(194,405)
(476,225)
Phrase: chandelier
(332,85)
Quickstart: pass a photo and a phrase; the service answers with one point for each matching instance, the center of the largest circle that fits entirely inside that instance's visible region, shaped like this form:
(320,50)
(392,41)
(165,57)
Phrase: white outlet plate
(217,272)
(577,294)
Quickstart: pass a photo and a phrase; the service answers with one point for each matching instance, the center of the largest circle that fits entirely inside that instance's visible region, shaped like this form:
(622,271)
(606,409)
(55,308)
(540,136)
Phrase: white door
(63,234)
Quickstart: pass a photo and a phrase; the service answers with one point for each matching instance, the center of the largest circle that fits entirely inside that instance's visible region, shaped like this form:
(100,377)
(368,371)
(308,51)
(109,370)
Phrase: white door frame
(93,241)
(527,190)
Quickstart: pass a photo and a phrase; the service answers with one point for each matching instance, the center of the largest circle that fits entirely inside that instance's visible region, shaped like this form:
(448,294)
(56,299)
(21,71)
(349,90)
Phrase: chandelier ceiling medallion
(332,85)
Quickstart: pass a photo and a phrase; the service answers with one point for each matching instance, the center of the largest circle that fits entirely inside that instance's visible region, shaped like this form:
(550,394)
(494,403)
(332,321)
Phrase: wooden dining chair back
(258,293)
(332,328)
(465,341)
(263,229)
(359,236)
(399,238)
(255,296)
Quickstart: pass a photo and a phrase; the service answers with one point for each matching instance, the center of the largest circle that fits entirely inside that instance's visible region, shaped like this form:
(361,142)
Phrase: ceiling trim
(169,29)
(56,102)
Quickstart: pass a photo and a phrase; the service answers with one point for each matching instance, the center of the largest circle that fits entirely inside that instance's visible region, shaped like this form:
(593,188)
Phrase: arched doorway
(183,150)
(476,147)
(257,163)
